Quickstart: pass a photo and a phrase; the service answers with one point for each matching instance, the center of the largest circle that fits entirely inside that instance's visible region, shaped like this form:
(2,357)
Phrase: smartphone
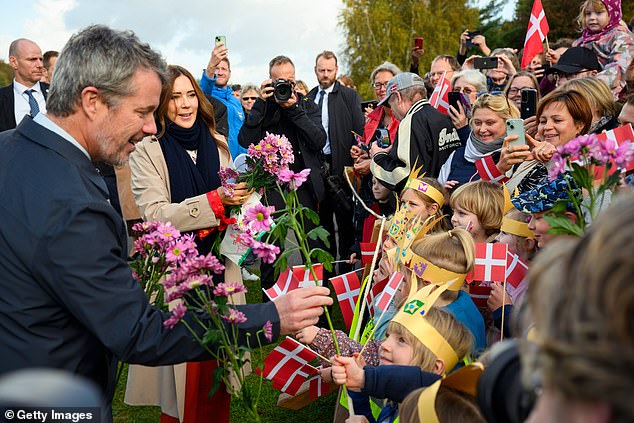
(221,39)
(485,62)
(455,97)
(471,35)
(516,127)
(382,138)
(418,42)
(528,106)
(365,104)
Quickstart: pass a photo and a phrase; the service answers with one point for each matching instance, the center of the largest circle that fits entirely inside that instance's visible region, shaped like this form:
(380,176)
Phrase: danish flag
(618,136)
(374,292)
(385,298)
(287,366)
(318,388)
(367,252)
(535,34)
(516,269)
(302,273)
(286,282)
(347,288)
(440,97)
(479,293)
(490,262)
(488,171)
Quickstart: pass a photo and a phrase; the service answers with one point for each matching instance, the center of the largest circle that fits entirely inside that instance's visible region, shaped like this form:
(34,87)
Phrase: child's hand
(353,258)
(449,185)
(307,335)
(346,371)
(326,374)
(495,299)
(357,419)
(552,56)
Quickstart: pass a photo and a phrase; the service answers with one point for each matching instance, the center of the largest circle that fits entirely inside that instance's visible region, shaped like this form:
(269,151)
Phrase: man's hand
(266,89)
(290,103)
(417,53)
(374,149)
(362,166)
(219,53)
(301,307)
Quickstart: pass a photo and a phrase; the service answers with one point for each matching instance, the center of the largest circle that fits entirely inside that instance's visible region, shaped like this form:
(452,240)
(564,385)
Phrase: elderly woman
(470,83)
(248,94)
(562,115)
(175,179)
(488,130)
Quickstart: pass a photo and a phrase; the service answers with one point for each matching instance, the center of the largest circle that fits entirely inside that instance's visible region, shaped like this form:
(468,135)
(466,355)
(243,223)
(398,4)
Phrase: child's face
(464,219)
(414,203)
(540,226)
(388,244)
(395,350)
(380,192)
(513,241)
(595,20)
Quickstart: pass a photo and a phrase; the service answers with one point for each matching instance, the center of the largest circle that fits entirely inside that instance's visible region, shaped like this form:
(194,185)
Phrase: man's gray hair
(415,93)
(103,58)
(384,67)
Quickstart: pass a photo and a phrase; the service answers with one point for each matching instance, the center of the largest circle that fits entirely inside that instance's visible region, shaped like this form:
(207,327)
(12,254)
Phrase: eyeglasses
(464,90)
(379,85)
(249,98)
(560,76)
(515,91)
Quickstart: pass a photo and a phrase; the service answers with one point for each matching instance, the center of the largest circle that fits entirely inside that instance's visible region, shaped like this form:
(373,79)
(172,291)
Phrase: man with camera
(340,115)
(281,110)
(425,136)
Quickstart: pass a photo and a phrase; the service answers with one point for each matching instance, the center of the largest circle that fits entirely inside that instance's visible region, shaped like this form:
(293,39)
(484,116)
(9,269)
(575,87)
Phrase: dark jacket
(429,143)
(68,297)
(7,105)
(301,124)
(344,115)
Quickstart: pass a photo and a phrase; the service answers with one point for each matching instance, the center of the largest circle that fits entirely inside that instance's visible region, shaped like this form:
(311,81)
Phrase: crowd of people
(70,301)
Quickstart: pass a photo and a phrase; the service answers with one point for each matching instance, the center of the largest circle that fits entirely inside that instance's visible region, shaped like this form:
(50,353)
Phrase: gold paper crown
(416,183)
(400,223)
(413,317)
(464,380)
(512,226)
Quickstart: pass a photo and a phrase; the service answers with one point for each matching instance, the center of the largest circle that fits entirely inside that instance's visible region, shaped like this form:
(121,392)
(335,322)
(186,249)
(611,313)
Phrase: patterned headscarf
(615,13)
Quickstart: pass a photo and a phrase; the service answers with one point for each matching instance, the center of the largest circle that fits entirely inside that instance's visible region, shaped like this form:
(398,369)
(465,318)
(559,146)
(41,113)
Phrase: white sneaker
(248,276)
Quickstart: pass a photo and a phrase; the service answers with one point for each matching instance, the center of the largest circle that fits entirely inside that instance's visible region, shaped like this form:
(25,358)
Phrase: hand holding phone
(485,62)
(516,127)
(221,39)
(418,42)
(528,106)
(471,35)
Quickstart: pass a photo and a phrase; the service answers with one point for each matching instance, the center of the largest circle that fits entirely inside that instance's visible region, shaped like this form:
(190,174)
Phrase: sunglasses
(249,98)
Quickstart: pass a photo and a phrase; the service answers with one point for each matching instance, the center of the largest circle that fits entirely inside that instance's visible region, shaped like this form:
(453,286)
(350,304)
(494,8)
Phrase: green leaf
(321,233)
(559,208)
(312,215)
(563,226)
(322,256)
(219,374)
(212,337)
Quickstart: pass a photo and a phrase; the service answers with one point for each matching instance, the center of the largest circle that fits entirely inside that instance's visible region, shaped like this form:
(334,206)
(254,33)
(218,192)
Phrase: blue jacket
(465,311)
(235,115)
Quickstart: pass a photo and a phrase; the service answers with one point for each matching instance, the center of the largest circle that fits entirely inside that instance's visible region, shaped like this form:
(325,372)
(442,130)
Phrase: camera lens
(282,90)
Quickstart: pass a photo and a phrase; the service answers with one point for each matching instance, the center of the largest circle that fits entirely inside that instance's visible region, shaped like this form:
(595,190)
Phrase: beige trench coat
(144,191)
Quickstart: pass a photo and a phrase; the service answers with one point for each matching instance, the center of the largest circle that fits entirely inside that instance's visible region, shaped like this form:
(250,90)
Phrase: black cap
(576,59)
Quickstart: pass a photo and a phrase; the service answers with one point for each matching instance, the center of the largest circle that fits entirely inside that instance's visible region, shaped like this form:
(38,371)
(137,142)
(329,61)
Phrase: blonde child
(477,208)
(450,406)
(613,44)
(408,344)
(424,197)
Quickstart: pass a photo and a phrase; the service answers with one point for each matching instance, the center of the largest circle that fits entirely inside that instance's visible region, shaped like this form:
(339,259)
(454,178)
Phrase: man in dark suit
(68,297)
(299,120)
(26,95)
(341,114)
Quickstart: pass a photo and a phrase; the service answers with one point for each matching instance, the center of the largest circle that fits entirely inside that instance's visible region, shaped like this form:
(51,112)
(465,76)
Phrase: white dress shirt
(22,107)
(324,114)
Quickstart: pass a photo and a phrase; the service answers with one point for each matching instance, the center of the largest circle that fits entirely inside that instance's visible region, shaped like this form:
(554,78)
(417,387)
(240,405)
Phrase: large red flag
(536,34)
(440,97)
(347,288)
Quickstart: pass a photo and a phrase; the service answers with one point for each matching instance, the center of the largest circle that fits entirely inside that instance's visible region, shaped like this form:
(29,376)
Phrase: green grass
(320,410)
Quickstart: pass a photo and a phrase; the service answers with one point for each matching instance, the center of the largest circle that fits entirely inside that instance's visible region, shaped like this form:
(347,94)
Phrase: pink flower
(268,331)
(295,180)
(175,252)
(264,251)
(235,316)
(227,175)
(177,314)
(259,217)
(165,232)
(557,166)
(624,154)
(227,289)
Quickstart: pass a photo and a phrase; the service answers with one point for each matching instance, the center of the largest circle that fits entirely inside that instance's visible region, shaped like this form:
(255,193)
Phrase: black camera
(282,90)
(501,396)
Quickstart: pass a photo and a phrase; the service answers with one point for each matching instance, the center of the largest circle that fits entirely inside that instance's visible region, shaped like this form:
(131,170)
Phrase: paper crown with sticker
(413,316)
(400,222)
(512,226)
(464,380)
(415,182)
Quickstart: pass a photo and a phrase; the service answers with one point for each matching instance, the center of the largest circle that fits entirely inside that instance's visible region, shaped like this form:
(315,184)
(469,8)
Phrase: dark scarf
(189,179)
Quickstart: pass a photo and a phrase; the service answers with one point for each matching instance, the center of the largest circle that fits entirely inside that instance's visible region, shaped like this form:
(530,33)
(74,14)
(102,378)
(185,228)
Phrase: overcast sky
(256,30)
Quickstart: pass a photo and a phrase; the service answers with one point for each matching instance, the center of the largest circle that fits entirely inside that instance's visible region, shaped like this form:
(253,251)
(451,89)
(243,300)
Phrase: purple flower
(165,232)
(268,331)
(235,316)
(557,166)
(295,180)
(227,289)
(177,314)
(227,175)
(176,252)
(259,217)
(264,251)
(624,154)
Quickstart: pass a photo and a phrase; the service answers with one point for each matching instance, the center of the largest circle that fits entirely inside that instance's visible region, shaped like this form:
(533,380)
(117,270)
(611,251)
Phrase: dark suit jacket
(68,297)
(344,115)
(301,124)
(7,106)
